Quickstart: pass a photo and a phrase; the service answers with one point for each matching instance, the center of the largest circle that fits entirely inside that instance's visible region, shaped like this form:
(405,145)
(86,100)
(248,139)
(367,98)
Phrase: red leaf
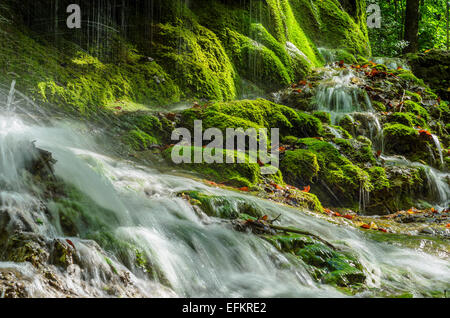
(349,217)
(327,211)
(365,226)
(382,230)
(264,218)
(306,189)
(70,243)
(244,189)
(337,214)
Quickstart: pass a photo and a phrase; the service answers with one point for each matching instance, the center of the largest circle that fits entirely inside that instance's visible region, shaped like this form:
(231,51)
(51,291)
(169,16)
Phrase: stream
(195,255)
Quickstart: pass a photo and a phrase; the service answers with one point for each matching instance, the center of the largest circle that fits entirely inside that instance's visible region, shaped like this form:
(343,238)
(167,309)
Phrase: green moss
(196,59)
(224,207)
(324,117)
(404,140)
(356,151)
(337,172)
(338,30)
(80,82)
(326,265)
(139,140)
(416,109)
(159,128)
(379,179)
(289,140)
(343,55)
(244,174)
(409,76)
(256,62)
(400,139)
(415,97)
(378,106)
(407,119)
(344,133)
(299,165)
(256,114)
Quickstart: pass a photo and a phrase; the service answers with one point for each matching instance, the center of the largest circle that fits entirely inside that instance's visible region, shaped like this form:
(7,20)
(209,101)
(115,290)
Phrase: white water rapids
(198,256)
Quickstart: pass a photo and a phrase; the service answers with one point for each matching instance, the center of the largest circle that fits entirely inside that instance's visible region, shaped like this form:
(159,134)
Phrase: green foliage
(389,38)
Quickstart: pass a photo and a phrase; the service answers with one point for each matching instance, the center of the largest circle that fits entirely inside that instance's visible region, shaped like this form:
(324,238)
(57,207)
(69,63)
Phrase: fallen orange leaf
(306,189)
(244,189)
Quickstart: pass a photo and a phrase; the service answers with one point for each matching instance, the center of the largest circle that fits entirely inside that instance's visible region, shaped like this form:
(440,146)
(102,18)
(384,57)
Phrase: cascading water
(338,94)
(439,148)
(438,182)
(191,254)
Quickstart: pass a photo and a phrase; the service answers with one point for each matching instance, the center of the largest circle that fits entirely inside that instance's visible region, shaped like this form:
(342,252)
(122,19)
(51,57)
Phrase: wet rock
(41,162)
(428,231)
(434,68)
(62,253)
(26,247)
(10,286)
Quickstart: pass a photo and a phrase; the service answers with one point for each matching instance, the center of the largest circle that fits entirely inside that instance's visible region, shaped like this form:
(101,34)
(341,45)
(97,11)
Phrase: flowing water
(195,255)
(438,181)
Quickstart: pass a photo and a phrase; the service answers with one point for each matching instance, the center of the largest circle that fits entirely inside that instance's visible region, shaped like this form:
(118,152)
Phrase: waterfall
(192,255)
(437,180)
(439,148)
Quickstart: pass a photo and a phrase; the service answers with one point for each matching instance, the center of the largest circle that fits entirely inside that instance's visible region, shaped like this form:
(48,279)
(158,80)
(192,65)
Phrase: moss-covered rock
(139,140)
(299,166)
(433,68)
(327,265)
(80,81)
(224,207)
(196,60)
(244,174)
(256,114)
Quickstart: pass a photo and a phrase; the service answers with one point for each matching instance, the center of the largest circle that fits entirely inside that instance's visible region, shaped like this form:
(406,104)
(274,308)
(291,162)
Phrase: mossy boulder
(256,114)
(243,174)
(139,140)
(434,68)
(196,60)
(407,141)
(326,265)
(338,180)
(228,207)
(299,166)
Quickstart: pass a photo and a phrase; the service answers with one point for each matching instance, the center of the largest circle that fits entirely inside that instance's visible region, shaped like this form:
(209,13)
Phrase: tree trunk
(412,26)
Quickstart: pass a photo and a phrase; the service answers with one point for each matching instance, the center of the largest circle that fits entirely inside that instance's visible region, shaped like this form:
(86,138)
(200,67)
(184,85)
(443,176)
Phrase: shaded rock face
(167,50)
(434,68)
